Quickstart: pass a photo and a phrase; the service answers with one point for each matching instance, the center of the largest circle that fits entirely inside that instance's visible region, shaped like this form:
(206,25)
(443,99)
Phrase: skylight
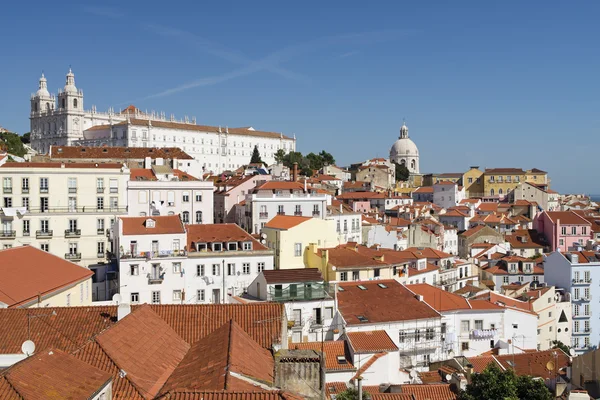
(342,360)
(361,287)
(362,318)
(381,285)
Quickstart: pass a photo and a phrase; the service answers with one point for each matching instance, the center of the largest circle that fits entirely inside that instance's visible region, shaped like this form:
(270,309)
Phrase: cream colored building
(63,208)
(289,236)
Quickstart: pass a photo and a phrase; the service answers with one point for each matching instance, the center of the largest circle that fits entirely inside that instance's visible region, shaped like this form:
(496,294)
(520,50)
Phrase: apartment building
(163,261)
(232,191)
(281,198)
(501,270)
(577,272)
(563,229)
(63,208)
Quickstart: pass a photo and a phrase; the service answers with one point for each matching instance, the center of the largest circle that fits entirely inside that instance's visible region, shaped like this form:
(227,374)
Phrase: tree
(26,138)
(255,159)
(402,173)
(557,344)
(11,142)
(351,394)
(314,161)
(280,156)
(494,383)
(327,158)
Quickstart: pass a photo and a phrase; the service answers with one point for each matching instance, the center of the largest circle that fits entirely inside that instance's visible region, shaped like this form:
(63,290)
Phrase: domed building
(405,152)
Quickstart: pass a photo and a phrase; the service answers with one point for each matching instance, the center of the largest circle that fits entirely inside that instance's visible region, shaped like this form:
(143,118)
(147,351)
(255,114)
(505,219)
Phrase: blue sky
(494,84)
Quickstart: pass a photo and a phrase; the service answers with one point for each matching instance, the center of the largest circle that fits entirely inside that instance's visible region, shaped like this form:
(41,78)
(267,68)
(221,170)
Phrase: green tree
(291,158)
(280,156)
(314,161)
(326,158)
(26,138)
(255,159)
(494,383)
(402,173)
(351,394)
(557,344)
(11,142)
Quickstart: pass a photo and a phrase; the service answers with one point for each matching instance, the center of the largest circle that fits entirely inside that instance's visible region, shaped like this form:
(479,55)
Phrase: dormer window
(512,268)
(247,246)
(150,223)
(217,246)
(232,246)
(201,247)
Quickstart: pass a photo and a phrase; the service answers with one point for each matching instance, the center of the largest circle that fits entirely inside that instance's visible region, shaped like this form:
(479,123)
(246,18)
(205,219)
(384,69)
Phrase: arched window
(499,191)
(492,192)
(185,217)
(403,162)
(35,108)
(412,164)
(74,103)
(198,217)
(64,103)
(47,106)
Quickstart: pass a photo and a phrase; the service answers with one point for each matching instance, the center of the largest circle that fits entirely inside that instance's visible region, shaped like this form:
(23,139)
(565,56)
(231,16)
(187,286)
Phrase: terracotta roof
(210,233)
(285,222)
(429,392)
(428,268)
(356,184)
(292,275)
(209,362)
(26,272)
(373,304)
(504,171)
(145,347)
(125,153)
(428,377)
(472,231)
(439,299)
(424,189)
(488,207)
(567,218)
(371,342)
(231,395)
(336,356)
(56,374)
(524,239)
(61,165)
(184,176)
(505,301)
(480,363)
(363,368)
(141,174)
(281,185)
(361,195)
(454,213)
(427,252)
(531,363)
(163,225)
(351,255)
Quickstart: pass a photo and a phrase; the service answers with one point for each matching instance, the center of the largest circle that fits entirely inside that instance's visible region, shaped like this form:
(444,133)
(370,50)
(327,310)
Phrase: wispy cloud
(272,61)
(104,12)
(349,54)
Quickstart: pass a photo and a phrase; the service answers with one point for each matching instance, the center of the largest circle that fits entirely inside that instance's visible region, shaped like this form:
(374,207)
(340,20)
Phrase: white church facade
(63,121)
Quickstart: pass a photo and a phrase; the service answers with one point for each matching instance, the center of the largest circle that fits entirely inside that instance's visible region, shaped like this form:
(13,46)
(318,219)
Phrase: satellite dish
(571,352)
(28,347)
(413,374)
(117,298)
(263,235)
(550,365)
(448,377)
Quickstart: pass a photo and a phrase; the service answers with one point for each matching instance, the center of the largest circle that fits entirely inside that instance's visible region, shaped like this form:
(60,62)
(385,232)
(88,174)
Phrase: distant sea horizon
(595,197)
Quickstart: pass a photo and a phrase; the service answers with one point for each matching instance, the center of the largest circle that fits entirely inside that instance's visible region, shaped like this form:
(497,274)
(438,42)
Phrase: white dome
(404,147)
(43,88)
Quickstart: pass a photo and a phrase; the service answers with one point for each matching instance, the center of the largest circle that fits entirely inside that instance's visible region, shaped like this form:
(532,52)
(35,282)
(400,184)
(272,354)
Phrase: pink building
(563,229)
(232,191)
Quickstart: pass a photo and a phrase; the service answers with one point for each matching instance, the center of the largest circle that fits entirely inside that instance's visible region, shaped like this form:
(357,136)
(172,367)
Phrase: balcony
(73,210)
(72,190)
(73,256)
(578,316)
(280,212)
(72,233)
(263,215)
(7,190)
(25,190)
(156,279)
(100,190)
(299,292)
(316,213)
(483,333)
(582,281)
(43,190)
(298,213)
(102,255)
(100,231)
(26,233)
(8,234)
(43,234)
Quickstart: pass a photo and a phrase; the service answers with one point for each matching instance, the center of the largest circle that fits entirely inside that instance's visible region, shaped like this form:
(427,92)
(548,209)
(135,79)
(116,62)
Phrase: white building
(161,190)
(348,225)
(281,198)
(447,194)
(578,272)
(163,261)
(63,208)
(309,307)
(405,151)
(232,191)
(473,327)
(66,122)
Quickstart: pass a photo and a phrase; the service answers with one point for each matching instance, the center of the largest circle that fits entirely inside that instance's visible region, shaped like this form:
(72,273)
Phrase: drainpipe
(223,272)
(360,394)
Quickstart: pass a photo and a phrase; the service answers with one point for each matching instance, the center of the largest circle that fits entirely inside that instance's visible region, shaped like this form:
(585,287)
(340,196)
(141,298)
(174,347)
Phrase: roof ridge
(228,362)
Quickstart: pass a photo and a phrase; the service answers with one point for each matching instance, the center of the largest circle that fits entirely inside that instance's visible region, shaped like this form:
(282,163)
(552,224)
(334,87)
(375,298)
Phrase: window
(230,269)
(198,197)
(464,346)
(216,270)
(99,185)
(247,246)
(156,297)
(261,267)
(200,270)
(465,326)
(8,202)
(44,185)
(100,203)
(72,185)
(576,326)
(338,226)
(573,230)
(185,217)
(377,272)
(185,197)
(401,336)
(298,210)
(45,225)
(44,204)
(25,185)
(479,324)
(280,210)
(417,335)
(345,226)
(26,228)
(429,334)
(74,103)
(176,295)
(584,230)
(328,312)
(45,247)
(68,299)
(177,268)
(114,185)
(246,268)
(343,276)
(135,298)
(114,203)
(355,275)
(7,185)
(134,270)
(200,295)
(198,217)
(25,202)
(563,230)
(100,248)
(297,249)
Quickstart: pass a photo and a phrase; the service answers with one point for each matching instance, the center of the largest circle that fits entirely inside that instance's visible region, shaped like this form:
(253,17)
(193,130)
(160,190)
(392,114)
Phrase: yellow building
(473,182)
(289,237)
(30,277)
(537,177)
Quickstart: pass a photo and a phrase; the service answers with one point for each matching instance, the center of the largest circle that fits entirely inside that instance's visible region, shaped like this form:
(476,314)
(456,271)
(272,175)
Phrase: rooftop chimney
(295,172)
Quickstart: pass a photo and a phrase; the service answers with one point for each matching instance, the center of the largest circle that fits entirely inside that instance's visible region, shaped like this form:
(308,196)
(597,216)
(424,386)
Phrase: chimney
(295,172)
(147,162)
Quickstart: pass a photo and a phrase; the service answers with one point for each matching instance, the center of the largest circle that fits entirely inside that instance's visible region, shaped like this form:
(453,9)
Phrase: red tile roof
(429,392)
(61,165)
(285,222)
(54,373)
(424,189)
(163,225)
(363,368)
(145,347)
(373,304)
(428,268)
(209,363)
(231,395)
(211,233)
(454,213)
(292,275)
(125,153)
(332,350)
(488,207)
(27,272)
(517,171)
(141,174)
(567,218)
(371,342)
(281,185)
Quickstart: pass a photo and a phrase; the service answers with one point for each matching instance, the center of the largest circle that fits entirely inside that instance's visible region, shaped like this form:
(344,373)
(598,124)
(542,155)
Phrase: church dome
(43,88)
(404,147)
(70,83)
